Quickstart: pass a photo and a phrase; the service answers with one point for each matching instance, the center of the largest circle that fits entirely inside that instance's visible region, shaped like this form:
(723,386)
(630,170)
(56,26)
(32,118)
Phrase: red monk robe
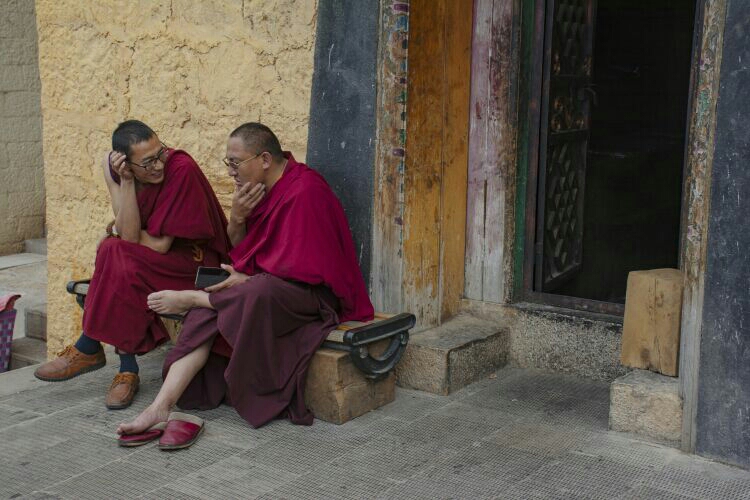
(304,279)
(183,205)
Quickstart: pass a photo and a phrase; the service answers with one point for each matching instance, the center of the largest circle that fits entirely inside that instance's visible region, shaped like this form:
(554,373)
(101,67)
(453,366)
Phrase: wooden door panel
(566,92)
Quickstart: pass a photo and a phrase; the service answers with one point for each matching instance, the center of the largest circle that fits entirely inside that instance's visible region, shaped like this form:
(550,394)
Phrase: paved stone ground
(519,434)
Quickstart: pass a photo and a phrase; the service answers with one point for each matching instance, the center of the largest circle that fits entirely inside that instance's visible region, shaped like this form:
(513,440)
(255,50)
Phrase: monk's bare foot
(171,301)
(149,417)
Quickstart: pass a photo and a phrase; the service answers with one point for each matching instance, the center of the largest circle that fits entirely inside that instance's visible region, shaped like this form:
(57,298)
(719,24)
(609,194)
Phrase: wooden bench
(352,373)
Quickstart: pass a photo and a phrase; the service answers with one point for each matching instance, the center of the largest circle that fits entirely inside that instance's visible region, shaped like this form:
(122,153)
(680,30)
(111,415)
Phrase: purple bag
(7,320)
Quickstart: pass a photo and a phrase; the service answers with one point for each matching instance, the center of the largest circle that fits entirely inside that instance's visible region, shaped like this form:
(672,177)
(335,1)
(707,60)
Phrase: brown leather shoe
(69,363)
(122,391)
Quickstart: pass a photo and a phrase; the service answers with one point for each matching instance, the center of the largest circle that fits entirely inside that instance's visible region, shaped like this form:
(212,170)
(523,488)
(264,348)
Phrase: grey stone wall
(21,167)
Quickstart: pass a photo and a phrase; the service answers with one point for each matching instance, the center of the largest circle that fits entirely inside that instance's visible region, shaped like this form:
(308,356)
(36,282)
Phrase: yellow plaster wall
(191,69)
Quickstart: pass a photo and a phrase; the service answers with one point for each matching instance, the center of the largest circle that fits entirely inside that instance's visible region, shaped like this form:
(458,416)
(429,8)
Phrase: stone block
(19,180)
(22,6)
(19,78)
(26,155)
(461,351)
(647,404)
(38,246)
(20,103)
(17,23)
(18,51)
(21,129)
(4,163)
(36,323)
(26,207)
(337,391)
(651,328)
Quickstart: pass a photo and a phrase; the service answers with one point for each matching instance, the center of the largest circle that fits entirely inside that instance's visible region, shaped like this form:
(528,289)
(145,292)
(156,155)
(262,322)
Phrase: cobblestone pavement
(519,434)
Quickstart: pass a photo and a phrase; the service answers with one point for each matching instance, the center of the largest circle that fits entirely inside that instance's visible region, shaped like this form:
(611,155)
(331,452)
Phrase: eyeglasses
(236,164)
(150,163)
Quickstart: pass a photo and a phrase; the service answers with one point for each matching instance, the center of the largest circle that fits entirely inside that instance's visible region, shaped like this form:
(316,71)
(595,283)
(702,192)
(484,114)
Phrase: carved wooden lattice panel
(564,141)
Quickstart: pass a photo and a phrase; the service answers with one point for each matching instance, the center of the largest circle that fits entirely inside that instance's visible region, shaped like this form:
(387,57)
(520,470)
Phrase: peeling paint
(696,201)
(387,261)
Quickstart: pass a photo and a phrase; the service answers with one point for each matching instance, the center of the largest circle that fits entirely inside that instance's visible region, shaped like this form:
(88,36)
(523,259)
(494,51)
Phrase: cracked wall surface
(21,170)
(192,69)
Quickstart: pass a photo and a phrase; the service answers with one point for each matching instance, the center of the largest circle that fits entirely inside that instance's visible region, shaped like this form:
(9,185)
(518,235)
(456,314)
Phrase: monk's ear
(267,160)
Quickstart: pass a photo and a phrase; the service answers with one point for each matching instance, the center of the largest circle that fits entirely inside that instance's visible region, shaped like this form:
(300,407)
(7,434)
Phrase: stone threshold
(446,358)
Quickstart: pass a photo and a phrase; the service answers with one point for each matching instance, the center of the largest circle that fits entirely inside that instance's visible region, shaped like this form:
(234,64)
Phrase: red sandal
(144,437)
(182,431)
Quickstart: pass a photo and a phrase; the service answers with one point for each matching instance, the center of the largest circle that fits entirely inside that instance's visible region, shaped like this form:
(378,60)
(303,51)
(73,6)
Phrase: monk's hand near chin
(120,165)
(235,278)
(245,199)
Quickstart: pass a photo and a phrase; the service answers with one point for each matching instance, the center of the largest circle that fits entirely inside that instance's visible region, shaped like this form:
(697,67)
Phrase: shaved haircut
(258,138)
(128,133)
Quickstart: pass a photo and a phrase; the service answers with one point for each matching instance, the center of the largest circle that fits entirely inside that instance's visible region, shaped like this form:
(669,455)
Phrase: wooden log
(337,391)
(651,329)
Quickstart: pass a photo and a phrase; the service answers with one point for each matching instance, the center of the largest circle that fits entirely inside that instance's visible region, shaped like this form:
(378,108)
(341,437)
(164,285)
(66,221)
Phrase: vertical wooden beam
(388,210)
(700,147)
(492,150)
(424,157)
(457,29)
(436,158)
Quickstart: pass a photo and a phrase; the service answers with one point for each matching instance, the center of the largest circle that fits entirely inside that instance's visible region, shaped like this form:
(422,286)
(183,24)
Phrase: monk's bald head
(258,138)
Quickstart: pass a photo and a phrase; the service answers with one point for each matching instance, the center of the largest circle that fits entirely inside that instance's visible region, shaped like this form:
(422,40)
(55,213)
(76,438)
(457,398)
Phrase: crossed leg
(178,378)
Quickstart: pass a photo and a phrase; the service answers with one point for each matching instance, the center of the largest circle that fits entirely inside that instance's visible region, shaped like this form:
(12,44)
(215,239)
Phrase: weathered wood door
(564,135)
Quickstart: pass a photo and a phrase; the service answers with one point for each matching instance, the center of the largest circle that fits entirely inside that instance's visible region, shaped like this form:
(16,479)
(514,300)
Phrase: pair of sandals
(179,431)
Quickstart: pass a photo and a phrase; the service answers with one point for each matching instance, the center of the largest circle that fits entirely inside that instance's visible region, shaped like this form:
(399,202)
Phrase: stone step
(37,246)
(462,350)
(648,405)
(27,352)
(21,259)
(36,322)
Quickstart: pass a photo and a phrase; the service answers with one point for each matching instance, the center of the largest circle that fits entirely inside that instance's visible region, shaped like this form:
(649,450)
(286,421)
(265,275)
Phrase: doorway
(612,80)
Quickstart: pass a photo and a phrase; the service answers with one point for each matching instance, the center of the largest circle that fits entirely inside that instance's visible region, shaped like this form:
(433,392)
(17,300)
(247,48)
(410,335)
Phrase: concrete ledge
(21,259)
(27,352)
(444,359)
(647,404)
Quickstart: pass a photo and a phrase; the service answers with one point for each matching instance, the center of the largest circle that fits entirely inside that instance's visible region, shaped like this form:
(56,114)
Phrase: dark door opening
(610,180)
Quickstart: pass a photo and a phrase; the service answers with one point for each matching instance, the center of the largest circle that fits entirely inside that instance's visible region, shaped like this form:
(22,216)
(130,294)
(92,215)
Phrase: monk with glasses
(168,222)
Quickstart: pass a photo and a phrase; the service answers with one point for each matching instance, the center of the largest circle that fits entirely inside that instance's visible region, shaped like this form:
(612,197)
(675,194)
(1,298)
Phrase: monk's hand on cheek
(245,199)
(235,278)
(120,165)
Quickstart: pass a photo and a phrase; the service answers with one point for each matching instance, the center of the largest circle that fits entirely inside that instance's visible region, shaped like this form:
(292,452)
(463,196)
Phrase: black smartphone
(208,276)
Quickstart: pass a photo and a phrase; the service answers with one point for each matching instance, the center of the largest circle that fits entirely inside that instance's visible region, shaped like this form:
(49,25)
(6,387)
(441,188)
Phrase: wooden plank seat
(352,373)
(375,347)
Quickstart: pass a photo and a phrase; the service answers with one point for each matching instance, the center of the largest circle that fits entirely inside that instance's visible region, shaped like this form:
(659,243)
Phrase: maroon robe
(184,206)
(300,255)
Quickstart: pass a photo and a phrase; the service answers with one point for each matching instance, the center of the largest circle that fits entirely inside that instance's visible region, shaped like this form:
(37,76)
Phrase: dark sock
(87,345)
(128,363)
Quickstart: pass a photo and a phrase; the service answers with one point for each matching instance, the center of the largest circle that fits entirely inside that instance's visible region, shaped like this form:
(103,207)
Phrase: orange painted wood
(436,158)
(424,157)
(458,32)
